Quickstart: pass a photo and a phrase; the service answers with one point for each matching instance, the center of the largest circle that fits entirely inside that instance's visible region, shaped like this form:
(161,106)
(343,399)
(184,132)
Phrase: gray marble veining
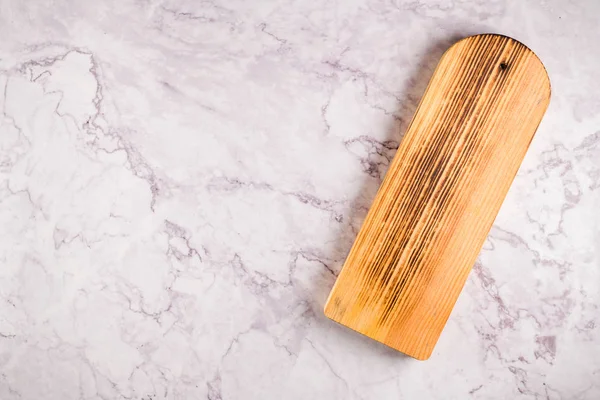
(180,182)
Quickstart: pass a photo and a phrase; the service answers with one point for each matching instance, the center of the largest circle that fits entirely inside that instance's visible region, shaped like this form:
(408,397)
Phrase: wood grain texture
(441,193)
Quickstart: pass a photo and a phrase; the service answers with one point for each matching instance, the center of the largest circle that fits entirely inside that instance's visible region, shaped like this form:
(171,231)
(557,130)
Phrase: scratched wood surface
(441,193)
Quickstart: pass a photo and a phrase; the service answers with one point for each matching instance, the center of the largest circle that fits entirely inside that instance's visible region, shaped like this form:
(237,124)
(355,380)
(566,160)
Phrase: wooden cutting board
(441,193)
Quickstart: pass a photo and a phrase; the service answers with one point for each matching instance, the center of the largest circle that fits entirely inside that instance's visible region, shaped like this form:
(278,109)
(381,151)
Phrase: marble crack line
(187,15)
(24,67)
(257,282)
(327,363)
(282,42)
(10,389)
(283,346)
(374,149)
(201,18)
(140,168)
(507,316)
(235,340)
(380,147)
(376,106)
(337,66)
(137,164)
(396,118)
(521,380)
(515,240)
(11,119)
(324,109)
(214,387)
(311,257)
(472,391)
(174,230)
(228,184)
(141,310)
(29,198)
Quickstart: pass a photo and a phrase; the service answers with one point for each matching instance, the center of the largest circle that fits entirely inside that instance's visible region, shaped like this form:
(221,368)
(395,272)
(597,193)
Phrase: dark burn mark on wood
(437,189)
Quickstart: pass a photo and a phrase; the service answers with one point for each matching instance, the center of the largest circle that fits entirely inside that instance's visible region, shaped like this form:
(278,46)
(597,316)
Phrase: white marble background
(181,180)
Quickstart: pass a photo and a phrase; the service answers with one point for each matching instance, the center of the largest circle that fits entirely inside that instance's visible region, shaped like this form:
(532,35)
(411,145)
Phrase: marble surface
(180,182)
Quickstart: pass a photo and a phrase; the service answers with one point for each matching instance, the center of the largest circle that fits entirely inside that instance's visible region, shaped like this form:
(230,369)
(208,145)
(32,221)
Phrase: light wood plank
(441,193)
